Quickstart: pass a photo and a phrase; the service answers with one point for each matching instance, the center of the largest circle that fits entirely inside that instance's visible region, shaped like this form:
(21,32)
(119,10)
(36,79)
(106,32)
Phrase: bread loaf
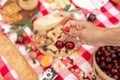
(15,59)
(49,21)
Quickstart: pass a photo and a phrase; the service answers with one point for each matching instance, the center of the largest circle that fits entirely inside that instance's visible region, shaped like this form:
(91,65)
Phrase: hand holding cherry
(81,32)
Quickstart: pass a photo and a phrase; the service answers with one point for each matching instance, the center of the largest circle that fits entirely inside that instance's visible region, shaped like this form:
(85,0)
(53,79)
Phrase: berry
(108,59)
(118,49)
(116,77)
(115,61)
(119,55)
(59,44)
(102,58)
(103,49)
(20,40)
(107,53)
(99,53)
(103,64)
(66,29)
(113,70)
(69,45)
(91,17)
(114,56)
(109,66)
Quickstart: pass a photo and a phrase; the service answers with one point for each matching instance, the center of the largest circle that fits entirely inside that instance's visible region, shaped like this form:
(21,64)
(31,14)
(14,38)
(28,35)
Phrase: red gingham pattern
(106,17)
(6,71)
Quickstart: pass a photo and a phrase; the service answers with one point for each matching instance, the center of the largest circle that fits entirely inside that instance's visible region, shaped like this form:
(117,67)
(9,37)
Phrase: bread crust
(16,59)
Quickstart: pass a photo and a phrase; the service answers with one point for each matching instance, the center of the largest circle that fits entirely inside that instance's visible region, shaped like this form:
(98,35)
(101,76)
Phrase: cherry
(107,53)
(114,56)
(108,59)
(99,53)
(103,64)
(103,49)
(69,45)
(59,44)
(109,66)
(118,49)
(119,70)
(20,40)
(115,61)
(119,55)
(102,58)
(91,17)
(116,77)
(113,70)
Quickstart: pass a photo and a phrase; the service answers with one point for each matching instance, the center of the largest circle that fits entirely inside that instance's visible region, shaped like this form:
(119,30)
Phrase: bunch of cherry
(108,59)
(68,45)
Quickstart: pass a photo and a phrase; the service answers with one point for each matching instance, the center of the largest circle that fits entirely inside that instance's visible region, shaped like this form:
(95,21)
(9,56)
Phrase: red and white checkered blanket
(108,16)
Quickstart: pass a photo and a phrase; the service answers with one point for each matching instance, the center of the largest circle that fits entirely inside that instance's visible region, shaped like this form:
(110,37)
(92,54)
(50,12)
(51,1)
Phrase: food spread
(45,36)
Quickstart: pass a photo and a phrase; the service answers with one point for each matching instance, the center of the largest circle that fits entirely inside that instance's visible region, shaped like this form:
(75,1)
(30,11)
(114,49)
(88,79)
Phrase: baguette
(49,21)
(16,59)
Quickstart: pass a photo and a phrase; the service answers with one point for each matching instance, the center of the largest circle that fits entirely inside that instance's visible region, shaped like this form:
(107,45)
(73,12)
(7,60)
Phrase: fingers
(72,30)
(79,26)
(75,23)
(63,37)
(76,41)
(74,26)
(78,44)
(71,23)
(70,17)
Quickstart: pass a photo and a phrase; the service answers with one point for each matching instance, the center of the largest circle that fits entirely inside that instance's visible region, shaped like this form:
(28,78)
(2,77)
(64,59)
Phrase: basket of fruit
(106,63)
(116,1)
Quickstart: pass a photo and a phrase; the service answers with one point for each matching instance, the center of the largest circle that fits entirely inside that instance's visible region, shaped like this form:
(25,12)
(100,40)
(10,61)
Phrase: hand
(82,32)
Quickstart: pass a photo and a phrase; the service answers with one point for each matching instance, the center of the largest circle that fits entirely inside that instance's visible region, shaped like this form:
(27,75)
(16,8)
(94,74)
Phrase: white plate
(90,4)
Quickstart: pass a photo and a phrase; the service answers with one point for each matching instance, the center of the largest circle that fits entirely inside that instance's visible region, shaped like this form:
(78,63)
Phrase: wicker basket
(116,1)
(100,75)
